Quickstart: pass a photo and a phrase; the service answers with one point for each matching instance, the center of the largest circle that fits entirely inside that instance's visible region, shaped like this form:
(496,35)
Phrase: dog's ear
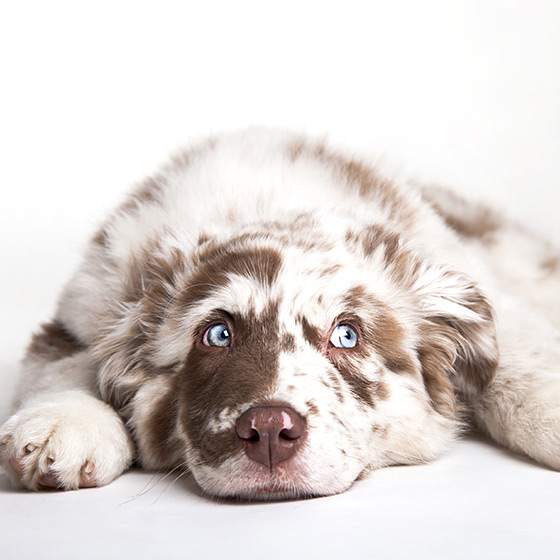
(456,346)
(457,349)
(126,346)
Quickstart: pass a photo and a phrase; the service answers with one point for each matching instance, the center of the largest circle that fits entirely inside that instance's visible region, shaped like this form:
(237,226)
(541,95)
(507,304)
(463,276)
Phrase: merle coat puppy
(279,319)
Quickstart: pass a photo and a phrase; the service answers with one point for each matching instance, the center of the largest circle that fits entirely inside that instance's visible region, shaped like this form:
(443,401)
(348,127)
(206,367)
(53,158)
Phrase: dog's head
(281,363)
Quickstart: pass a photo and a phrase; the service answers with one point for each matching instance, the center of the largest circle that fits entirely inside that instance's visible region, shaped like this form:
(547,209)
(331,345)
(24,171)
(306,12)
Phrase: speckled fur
(282,239)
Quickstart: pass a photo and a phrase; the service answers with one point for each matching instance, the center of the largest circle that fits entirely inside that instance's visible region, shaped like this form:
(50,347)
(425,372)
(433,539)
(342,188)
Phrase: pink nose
(270,434)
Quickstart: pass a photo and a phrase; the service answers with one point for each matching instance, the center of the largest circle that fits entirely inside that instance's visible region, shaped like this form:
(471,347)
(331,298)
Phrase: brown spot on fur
(551,265)
(296,149)
(469,219)
(312,334)
(213,380)
(288,343)
(203,239)
(477,357)
(380,390)
(381,330)
(160,443)
(216,266)
(54,343)
(459,354)
(312,408)
(101,238)
(381,431)
(360,387)
(350,364)
(335,385)
(373,236)
(148,192)
(437,359)
(356,174)
(387,337)
(367,179)
(482,228)
(399,262)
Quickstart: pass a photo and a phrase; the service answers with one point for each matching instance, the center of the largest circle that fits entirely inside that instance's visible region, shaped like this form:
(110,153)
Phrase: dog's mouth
(243,479)
(276,491)
(272,461)
(270,490)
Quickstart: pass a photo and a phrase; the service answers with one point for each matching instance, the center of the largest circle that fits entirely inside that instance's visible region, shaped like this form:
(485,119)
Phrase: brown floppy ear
(457,350)
(456,346)
(125,346)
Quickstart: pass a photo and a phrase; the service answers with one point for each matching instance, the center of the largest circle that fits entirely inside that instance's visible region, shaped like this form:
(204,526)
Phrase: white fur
(75,429)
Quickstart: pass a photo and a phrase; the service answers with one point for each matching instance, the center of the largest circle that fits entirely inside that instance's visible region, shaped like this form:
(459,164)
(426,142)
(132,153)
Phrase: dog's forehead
(295,280)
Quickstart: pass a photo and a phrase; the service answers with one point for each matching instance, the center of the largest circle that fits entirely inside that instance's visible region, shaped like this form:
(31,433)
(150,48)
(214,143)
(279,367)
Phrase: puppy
(279,319)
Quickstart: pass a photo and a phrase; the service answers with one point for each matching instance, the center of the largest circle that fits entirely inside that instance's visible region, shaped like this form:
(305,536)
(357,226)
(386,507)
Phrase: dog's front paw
(72,441)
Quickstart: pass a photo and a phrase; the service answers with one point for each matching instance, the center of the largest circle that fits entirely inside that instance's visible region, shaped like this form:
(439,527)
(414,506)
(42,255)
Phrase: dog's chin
(269,492)
(260,484)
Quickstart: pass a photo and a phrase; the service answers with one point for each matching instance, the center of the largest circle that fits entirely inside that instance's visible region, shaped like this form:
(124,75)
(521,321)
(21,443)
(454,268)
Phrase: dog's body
(279,319)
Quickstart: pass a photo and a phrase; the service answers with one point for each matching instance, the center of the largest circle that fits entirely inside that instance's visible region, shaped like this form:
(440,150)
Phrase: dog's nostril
(253,437)
(270,434)
(285,435)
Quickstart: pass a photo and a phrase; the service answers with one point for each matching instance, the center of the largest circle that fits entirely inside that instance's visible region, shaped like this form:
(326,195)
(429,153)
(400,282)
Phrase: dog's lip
(276,483)
(273,488)
(274,491)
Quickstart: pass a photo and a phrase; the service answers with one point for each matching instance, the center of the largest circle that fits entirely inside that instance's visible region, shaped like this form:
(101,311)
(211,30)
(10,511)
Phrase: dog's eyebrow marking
(217,265)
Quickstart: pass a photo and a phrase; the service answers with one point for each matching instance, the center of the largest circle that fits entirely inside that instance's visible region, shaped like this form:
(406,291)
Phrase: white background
(93,95)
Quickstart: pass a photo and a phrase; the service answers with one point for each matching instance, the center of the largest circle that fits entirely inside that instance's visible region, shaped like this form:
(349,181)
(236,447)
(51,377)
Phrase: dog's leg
(62,435)
(521,407)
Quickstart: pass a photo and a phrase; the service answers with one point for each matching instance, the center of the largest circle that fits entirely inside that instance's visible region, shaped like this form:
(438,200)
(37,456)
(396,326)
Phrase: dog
(278,318)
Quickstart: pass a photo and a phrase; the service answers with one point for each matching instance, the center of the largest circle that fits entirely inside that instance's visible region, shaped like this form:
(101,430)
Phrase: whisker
(154,482)
(169,485)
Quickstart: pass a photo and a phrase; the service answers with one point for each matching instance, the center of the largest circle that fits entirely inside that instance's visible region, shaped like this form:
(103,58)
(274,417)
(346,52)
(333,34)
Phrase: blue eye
(217,335)
(344,336)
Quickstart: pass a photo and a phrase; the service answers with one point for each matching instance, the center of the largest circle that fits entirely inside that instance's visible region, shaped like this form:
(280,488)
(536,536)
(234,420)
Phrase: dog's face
(278,365)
